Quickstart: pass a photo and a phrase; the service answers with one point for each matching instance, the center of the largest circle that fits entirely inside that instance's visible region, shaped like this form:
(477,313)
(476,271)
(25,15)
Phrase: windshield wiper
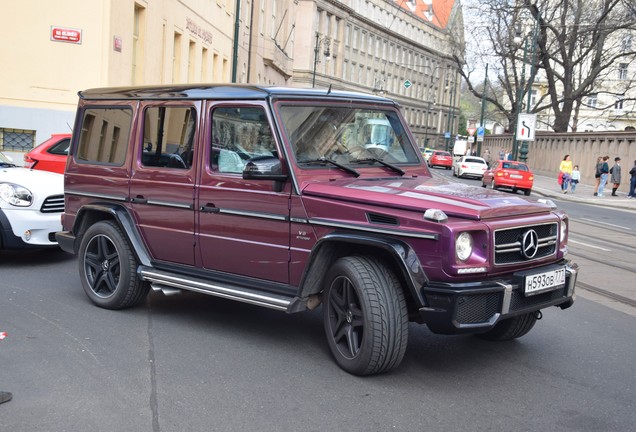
(332,162)
(395,168)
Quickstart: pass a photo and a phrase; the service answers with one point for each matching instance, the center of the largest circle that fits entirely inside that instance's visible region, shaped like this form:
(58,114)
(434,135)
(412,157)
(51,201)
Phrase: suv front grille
(53,204)
(509,247)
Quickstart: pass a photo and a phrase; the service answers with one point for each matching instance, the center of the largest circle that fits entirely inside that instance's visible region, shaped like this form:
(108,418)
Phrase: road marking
(605,223)
(589,245)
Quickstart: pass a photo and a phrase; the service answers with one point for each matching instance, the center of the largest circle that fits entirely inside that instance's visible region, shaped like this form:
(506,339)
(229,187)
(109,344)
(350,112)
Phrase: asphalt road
(194,363)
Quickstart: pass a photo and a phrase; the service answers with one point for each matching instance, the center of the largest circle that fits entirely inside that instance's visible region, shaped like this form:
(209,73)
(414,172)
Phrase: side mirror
(264,168)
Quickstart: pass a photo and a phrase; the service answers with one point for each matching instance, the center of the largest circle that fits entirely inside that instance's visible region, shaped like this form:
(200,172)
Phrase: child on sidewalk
(576,177)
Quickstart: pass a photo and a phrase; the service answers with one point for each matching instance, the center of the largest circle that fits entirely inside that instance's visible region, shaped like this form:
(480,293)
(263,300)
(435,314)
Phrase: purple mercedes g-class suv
(291,198)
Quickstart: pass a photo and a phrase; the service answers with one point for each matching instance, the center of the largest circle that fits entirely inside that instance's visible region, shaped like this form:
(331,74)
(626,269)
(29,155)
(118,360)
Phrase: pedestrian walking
(565,169)
(597,175)
(487,157)
(615,172)
(632,182)
(502,154)
(604,173)
(576,178)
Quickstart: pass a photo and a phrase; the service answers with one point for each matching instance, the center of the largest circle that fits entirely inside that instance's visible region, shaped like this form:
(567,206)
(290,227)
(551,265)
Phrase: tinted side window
(239,134)
(104,136)
(169,137)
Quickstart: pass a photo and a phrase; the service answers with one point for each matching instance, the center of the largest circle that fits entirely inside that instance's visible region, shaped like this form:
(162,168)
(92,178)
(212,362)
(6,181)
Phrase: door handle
(139,199)
(209,208)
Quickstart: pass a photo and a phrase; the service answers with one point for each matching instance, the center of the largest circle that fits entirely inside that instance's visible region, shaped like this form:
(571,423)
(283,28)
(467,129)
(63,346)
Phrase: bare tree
(576,47)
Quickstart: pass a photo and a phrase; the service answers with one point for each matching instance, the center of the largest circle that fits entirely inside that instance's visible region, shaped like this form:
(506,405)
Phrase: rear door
(162,181)
(243,224)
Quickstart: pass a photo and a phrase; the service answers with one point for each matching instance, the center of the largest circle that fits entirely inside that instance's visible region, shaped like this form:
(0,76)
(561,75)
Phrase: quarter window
(104,136)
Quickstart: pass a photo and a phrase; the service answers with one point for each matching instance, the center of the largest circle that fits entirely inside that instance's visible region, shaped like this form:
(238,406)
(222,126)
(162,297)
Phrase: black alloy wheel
(365,316)
(108,268)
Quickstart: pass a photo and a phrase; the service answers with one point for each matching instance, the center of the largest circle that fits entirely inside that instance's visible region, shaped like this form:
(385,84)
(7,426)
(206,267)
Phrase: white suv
(31,205)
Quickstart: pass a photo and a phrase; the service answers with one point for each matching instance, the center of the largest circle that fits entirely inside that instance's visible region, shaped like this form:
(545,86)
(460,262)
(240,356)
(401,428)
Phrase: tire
(492,184)
(527,192)
(365,316)
(108,268)
(511,328)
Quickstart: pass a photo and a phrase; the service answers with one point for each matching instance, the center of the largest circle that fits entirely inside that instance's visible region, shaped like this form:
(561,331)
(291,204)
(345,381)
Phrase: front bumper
(456,308)
(25,228)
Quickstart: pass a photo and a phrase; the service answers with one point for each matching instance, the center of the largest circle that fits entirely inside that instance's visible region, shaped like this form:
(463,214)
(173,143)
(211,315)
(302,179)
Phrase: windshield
(348,135)
(5,161)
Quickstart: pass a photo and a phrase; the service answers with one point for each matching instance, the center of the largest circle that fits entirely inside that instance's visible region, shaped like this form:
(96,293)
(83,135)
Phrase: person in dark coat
(615,173)
(632,182)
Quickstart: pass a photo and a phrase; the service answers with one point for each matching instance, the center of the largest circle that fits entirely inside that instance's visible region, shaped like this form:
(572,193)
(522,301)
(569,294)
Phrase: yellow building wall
(40,77)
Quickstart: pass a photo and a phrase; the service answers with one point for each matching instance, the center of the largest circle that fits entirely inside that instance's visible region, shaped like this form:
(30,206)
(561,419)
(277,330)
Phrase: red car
(441,158)
(50,155)
(509,174)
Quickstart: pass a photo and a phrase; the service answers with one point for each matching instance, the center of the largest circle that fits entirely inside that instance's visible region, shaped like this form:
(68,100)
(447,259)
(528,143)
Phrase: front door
(243,224)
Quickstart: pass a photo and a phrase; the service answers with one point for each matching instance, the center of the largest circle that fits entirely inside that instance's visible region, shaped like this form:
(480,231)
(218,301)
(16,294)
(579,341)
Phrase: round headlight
(463,246)
(16,195)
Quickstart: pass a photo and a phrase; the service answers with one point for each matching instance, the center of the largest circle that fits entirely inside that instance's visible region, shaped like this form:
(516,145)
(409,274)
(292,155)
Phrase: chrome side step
(170,284)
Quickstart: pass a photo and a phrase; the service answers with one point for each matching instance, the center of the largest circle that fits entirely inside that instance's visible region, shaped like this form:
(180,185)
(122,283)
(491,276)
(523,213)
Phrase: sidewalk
(548,187)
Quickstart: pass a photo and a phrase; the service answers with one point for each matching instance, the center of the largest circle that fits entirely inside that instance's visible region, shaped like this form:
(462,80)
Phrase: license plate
(546,281)
(515,176)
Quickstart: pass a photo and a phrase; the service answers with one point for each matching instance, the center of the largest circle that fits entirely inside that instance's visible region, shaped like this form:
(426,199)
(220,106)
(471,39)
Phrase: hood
(422,193)
(43,182)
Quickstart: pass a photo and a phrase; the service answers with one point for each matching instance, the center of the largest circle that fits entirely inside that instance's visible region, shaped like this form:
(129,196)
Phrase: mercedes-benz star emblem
(530,244)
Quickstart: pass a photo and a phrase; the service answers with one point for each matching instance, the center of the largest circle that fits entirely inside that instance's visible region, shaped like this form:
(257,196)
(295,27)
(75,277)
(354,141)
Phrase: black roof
(221,91)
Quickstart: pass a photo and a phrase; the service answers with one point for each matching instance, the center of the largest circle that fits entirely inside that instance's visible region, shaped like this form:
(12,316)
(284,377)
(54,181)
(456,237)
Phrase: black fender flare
(329,248)
(89,214)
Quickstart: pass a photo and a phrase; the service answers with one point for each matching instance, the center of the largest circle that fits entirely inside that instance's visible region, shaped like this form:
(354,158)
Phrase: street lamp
(428,110)
(326,43)
(483,109)
(451,112)
(522,153)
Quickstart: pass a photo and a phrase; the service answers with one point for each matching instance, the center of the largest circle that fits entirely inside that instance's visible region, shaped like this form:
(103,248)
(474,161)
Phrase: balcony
(275,57)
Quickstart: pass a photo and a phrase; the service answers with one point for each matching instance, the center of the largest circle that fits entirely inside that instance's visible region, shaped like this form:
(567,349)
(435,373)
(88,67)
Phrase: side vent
(382,219)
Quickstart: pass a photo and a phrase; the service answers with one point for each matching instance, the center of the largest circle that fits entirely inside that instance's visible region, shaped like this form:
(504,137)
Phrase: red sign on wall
(63,34)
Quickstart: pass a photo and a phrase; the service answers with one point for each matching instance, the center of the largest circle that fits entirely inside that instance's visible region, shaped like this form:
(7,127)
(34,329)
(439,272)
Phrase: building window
(273,24)
(205,59)
(592,100)
(191,60)
(622,71)
(17,139)
(533,98)
(176,58)
(618,105)
(626,43)
(138,43)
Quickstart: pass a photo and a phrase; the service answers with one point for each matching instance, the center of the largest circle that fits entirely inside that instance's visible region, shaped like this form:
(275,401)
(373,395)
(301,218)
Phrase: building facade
(396,48)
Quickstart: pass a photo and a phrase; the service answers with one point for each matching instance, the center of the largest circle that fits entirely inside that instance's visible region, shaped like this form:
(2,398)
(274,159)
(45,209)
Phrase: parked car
(427,152)
(509,175)
(276,200)
(441,159)
(31,203)
(50,155)
(469,166)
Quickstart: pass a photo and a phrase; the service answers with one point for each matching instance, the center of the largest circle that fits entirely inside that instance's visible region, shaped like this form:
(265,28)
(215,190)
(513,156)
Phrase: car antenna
(329,89)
